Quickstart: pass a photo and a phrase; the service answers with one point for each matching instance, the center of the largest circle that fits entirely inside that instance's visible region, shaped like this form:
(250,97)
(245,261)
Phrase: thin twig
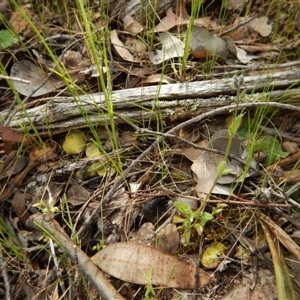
(237,26)
(14,79)
(5,276)
(57,269)
(147,239)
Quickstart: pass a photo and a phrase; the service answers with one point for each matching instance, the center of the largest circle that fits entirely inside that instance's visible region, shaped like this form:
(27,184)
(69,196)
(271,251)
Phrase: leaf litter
(148,207)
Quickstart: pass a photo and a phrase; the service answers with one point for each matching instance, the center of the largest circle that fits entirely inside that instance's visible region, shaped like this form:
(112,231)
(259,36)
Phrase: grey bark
(172,101)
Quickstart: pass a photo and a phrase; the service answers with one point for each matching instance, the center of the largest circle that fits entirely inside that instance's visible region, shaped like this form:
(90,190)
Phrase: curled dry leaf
(26,70)
(243,56)
(120,48)
(131,25)
(140,264)
(171,20)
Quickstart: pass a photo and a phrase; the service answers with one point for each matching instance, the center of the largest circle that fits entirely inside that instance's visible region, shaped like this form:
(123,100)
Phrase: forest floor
(150,149)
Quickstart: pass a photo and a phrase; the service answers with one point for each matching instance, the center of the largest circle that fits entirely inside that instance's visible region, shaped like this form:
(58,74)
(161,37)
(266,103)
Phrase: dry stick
(217,111)
(14,79)
(236,27)
(238,202)
(104,288)
(3,268)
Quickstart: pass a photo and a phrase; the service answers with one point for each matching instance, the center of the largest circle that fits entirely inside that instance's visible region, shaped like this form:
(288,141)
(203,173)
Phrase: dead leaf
(131,25)
(19,207)
(140,264)
(205,167)
(120,48)
(166,240)
(26,70)
(77,194)
(203,44)
(243,56)
(281,235)
(17,20)
(235,4)
(45,152)
(171,47)
(171,20)
(192,153)
(168,22)
(260,25)
(10,137)
(14,167)
(155,79)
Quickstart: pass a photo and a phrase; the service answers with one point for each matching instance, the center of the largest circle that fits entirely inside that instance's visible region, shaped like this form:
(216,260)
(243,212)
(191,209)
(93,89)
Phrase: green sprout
(193,219)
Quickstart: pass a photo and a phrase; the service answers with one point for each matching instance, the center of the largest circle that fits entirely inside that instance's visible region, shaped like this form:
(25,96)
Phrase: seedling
(193,219)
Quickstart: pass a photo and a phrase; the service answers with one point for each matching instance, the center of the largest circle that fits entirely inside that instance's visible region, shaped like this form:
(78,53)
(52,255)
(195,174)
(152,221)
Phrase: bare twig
(104,288)
(14,79)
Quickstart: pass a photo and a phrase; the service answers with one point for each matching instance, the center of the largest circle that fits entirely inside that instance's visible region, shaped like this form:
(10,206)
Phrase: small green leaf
(6,39)
(187,236)
(235,125)
(219,208)
(272,147)
(221,168)
(205,218)
(199,228)
(197,214)
(177,220)
(183,208)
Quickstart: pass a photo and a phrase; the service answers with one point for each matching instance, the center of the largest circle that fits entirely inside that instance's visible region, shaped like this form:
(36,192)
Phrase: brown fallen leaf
(19,207)
(9,138)
(141,264)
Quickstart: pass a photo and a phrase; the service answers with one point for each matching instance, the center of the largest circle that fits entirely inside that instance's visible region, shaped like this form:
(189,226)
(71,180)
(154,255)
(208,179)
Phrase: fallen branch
(173,102)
